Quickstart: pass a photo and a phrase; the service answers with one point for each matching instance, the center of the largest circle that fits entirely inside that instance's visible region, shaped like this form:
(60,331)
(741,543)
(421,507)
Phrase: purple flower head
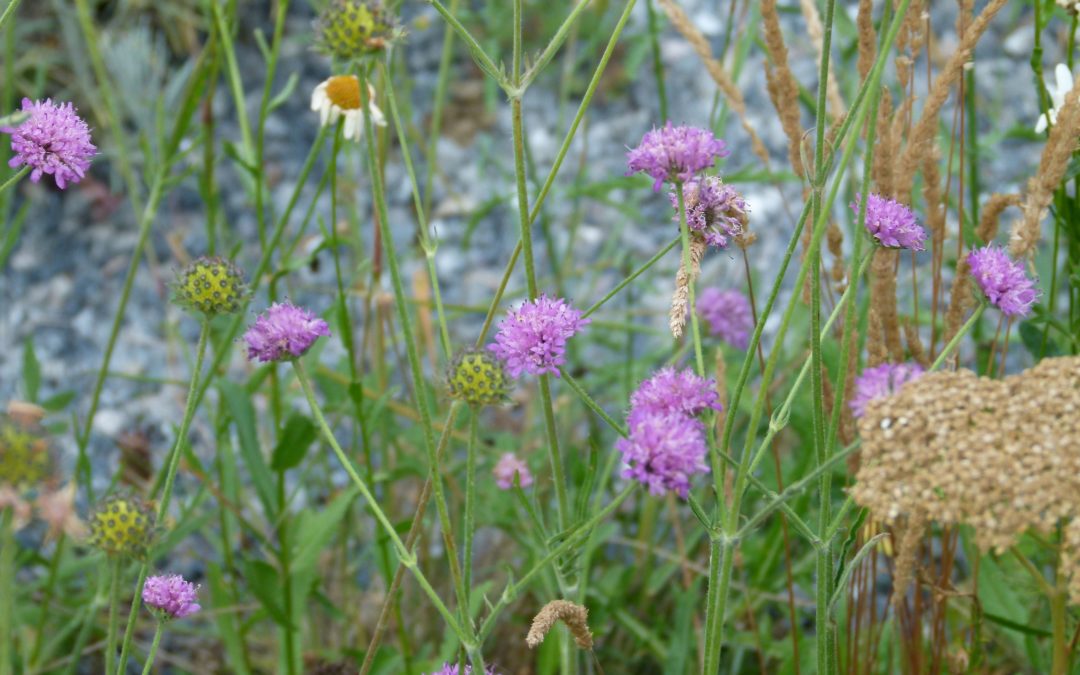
(881,381)
(675,153)
(891,223)
(283,331)
(675,392)
(170,596)
(452,669)
(1004,282)
(714,209)
(728,314)
(663,451)
(533,337)
(507,467)
(53,140)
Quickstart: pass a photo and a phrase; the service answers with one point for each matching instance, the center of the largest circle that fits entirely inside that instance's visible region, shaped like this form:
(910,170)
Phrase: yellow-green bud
(122,525)
(211,286)
(349,29)
(477,377)
(25,459)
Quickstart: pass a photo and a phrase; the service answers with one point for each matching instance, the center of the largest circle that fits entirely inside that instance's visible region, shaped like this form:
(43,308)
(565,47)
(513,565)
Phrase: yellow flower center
(344,91)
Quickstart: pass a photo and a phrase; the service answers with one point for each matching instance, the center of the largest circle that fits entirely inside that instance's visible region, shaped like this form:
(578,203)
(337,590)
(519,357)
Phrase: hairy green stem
(955,341)
(15,178)
(114,601)
(153,648)
(7,589)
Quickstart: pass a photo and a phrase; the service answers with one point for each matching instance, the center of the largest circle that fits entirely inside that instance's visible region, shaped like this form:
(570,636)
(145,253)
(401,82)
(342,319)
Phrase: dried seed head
(210,286)
(477,377)
(575,616)
(350,29)
(25,453)
(122,525)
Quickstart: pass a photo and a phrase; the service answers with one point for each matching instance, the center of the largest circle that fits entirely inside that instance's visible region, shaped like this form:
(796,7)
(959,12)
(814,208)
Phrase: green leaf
(297,437)
(264,582)
(243,413)
(31,370)
(315,528)
(58,402)
(227,630)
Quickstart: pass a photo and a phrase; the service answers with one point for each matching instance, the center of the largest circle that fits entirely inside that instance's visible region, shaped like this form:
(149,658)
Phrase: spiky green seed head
(122,525)
(25,454)
(211,286)
(477,377)
(351,29)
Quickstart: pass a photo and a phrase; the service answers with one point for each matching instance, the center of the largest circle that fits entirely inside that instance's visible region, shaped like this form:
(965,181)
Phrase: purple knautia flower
(891,223)
(663,451)
(880,381)
(452,669)
(53,140)
(170,596)
(728,314)
(1004,282)
(675,153)
(507,467)
(671,391)
(283,331)
(533,337)
(714,209)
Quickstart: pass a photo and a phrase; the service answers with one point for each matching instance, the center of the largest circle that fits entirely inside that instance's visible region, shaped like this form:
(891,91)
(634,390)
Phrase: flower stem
(114,600)
(947,349)
(470,508)
(15,178)
(166,492)
(684,235)
(153,648)
(7,588)
(408,559)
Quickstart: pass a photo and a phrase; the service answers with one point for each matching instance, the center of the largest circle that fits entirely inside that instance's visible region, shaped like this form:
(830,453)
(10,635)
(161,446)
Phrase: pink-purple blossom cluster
(507,467)
(453,669)
(533,337)
(171,596)
(728,314)
(891,223)
(880,381)
(1003,281)
(675,153)
(283,331)
(714,209)
(666,444)
(53,140)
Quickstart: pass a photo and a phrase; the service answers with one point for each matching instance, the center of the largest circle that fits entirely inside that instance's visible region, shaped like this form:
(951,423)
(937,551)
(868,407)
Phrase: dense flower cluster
(122,525)
(349,29)
(673,153)
(170,596)
(53,140)
(728,314)
(533,337)
(211,286)
(1004,282)
(881,381)
(25,456)
(284,331)
(713,209)
(508,466)
(891,223)
(666,443)
(453,669)
(477,377)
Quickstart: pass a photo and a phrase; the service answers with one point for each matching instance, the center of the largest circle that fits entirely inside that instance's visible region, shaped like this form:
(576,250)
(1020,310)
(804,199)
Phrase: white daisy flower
(340,96)
(1057,97)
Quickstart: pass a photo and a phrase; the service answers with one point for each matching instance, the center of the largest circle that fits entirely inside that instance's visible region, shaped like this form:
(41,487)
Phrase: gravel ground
(63,281)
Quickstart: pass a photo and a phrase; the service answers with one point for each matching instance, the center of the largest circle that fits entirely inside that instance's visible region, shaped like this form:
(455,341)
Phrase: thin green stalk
(1060,619)
(166,493)
(15,178)
(114,600)
(415,367)
(470,508)
(691,279)
(590,403)
(947,349)
(9,12)
(284,558)
(7,589)
(407,558)
(50,593)
(442,81)
(478,53)
(153,648)
(658,65)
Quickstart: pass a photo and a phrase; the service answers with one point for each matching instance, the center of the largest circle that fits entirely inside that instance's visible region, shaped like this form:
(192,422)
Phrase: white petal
(377,117)
(352,126)
(1040,126)
(1064,77)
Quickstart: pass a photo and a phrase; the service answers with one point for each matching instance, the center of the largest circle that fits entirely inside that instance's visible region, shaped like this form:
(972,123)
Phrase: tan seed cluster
(997,455)
(575,616)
